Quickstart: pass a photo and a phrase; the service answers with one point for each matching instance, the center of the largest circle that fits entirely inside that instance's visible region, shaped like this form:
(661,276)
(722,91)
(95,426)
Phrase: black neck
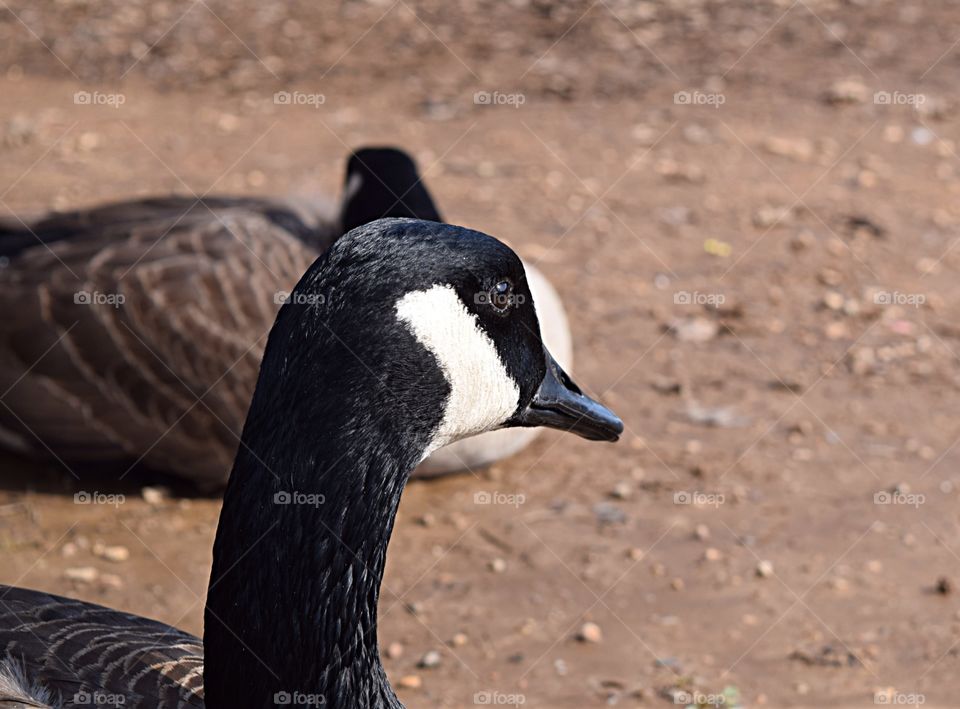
(307,516)
(388,186)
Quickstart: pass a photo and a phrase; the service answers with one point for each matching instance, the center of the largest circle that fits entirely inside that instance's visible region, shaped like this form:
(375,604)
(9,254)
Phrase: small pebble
(836,330)
(227,122)
(394,650)
(590,633)
(459,640)
(81,574)
(840,584)
(830,276)
(607,513)
(803,240)
(944,587)
(764,569)
(922,136)
(154,495)
(410,682)
(116,554)
(833,300)
(711,554)
(696,329)
(88,141)
(799,149)
(770,216)
(847,91)
(430,659)
(893,134)
(498,566)
(701,532)
(621,491)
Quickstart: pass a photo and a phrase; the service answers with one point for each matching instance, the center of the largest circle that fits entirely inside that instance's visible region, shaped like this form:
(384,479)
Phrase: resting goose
(402,338)
(133,332)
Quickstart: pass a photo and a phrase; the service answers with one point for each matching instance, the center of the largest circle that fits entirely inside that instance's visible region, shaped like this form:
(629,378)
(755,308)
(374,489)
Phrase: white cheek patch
(482,394)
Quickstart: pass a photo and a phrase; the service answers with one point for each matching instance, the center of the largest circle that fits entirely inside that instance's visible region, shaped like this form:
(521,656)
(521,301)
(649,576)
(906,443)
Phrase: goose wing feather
(86,654)
(311,220)
(165,376)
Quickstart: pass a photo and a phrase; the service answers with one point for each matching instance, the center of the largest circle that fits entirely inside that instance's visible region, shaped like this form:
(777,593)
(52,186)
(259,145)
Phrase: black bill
(560,404)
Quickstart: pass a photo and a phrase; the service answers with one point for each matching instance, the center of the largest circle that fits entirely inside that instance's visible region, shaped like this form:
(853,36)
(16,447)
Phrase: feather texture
(79,654)
(138,337)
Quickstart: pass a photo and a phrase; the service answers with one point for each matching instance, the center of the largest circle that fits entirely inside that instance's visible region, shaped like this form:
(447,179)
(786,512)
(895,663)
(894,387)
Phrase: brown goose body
(90,655)
(136,337)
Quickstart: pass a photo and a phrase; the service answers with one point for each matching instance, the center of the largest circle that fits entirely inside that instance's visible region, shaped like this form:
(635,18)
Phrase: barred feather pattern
(134,333)
(75,654)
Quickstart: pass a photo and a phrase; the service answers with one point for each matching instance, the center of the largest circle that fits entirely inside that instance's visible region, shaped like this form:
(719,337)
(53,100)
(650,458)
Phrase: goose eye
(501,296)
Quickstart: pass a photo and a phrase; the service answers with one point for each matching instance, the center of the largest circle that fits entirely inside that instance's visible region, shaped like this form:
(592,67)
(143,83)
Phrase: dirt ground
(756,249)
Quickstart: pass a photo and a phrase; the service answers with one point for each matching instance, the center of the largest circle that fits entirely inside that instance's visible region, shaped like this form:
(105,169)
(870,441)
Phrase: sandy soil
(760,280)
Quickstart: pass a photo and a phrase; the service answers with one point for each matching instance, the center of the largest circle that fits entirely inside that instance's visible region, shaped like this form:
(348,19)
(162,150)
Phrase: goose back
(136,334)
(81,654)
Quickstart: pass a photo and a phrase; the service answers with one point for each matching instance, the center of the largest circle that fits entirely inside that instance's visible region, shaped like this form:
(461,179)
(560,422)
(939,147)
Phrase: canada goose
(403,337)
(133,332)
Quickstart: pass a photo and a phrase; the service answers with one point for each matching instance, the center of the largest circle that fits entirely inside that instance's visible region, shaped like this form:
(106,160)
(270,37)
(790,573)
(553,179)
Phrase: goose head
(478,321)
(440,323)
(380,182)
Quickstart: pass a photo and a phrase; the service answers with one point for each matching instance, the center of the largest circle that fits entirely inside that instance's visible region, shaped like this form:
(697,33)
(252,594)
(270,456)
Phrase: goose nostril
(566,380)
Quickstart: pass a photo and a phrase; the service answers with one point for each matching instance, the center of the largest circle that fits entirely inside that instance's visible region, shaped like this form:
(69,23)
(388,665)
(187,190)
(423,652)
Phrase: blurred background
(750,211)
